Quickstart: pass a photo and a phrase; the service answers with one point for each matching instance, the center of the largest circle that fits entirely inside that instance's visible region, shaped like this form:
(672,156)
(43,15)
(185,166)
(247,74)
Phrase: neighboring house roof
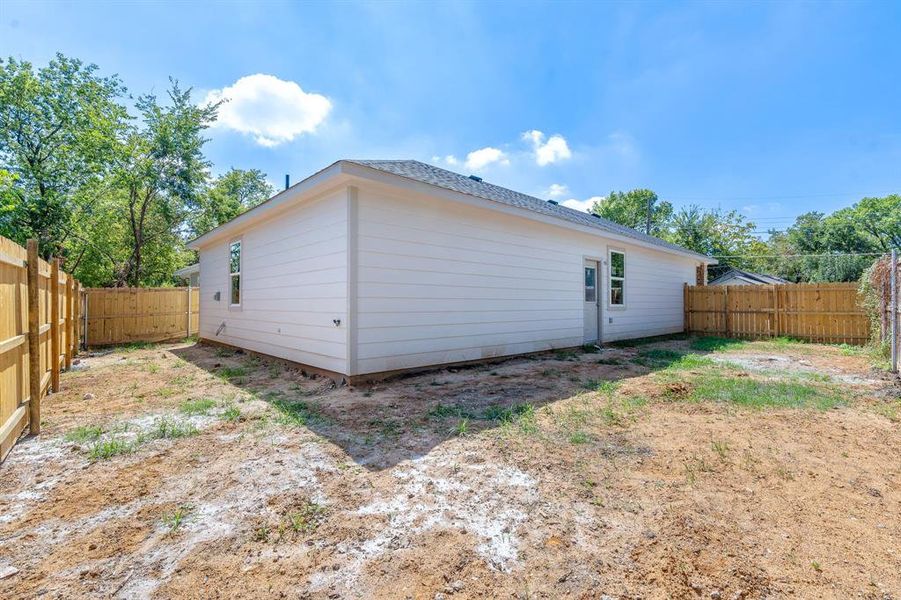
(186,272)
(420,172)
(747,277)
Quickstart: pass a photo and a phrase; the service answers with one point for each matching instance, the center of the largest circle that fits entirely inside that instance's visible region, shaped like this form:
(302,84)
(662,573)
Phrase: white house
(190,274)
(371,267)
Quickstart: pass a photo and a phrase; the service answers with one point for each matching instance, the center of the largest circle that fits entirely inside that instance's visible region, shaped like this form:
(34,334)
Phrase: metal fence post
(893,305)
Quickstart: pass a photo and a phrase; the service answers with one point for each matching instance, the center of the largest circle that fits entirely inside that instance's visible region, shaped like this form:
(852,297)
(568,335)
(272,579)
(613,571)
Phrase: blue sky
(770,108)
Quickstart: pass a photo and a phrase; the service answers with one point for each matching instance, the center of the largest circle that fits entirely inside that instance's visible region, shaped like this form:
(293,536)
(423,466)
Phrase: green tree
(57,126)
(230,194)
(880,219)
(631,209)
(835,247)
(160,171)
(723,234)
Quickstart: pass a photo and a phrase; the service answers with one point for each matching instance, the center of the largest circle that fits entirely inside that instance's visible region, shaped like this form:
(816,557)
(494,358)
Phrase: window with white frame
(234,270)
(617,278)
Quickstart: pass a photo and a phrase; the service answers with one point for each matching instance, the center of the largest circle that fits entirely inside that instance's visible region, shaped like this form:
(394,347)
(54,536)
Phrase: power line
(835,254)
(790,197)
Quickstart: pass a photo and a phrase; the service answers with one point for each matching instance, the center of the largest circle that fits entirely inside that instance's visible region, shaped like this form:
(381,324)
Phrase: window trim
(610,278)
(239,274)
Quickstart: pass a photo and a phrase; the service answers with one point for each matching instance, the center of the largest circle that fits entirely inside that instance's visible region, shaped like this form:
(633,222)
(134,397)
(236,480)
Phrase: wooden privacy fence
(39,333)
(817,312)
(123,315)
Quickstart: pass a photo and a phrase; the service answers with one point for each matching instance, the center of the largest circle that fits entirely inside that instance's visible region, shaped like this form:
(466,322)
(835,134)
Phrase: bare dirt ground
(674,469)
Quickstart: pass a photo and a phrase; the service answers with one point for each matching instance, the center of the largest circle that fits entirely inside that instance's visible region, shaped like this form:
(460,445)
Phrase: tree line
(112,183)
(816,247)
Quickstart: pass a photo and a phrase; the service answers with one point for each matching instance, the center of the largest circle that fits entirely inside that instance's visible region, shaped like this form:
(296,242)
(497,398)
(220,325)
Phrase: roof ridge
(430,174)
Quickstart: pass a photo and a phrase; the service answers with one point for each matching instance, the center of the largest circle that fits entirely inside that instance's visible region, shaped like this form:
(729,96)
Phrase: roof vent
(554,202)
(595,215)
(475,178)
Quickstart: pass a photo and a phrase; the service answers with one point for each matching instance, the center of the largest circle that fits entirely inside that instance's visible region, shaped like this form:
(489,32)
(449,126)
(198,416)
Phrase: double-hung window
(617,278)
(234,273)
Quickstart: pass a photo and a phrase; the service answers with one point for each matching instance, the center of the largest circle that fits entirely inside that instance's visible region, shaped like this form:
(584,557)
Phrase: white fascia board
(391,180)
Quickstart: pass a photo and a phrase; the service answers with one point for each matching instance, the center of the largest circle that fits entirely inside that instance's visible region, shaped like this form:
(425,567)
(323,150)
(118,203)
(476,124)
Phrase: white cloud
(583,205)
(547,152)
(450,159)
(272,110)
(478,159)
(556,190)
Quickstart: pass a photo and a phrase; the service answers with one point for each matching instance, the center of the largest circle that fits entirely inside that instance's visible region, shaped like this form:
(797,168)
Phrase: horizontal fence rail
(39,335)
(124,315)
(817,312)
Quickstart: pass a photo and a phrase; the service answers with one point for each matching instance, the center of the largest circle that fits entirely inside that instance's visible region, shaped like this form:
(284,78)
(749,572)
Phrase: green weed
(232,413)
(174,519)
(579,437)
(602,386)
(231,373)
(715,344)
(165,428)
(85,433)
(197,407)
(297,413)
(103,449)
(307,519)
(656,358)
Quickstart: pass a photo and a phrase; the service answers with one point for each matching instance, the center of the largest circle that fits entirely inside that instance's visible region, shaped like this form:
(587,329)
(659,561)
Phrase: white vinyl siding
(442,282)
(293,286)
(436,281)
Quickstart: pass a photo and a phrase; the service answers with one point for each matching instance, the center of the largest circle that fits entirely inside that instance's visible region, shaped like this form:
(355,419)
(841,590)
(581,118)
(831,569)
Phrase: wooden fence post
(34,340)
(726,306)
(76,315)
(68,324)
(84,332)
(775,311)
(189,309)
(686,324)
(54,325)
(72,314)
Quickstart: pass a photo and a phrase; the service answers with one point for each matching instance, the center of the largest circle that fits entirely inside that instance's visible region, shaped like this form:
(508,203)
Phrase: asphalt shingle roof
(425,173)
(759,278)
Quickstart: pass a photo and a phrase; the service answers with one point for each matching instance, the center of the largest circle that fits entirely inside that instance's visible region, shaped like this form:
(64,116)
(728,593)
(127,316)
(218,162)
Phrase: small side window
(234,268)
(617,278)
(591,288)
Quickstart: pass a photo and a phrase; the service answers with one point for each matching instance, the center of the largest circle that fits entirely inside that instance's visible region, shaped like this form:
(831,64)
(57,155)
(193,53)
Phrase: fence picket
(123,315)
(822,312)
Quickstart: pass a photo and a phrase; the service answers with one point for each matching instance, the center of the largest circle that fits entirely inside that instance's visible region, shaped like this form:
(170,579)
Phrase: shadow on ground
(385,423)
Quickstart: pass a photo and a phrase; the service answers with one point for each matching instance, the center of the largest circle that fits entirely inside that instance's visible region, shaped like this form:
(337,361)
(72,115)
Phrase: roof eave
(373,174)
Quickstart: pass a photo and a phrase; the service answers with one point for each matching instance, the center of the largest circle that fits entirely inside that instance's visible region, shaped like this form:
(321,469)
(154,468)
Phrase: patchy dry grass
(674,467)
